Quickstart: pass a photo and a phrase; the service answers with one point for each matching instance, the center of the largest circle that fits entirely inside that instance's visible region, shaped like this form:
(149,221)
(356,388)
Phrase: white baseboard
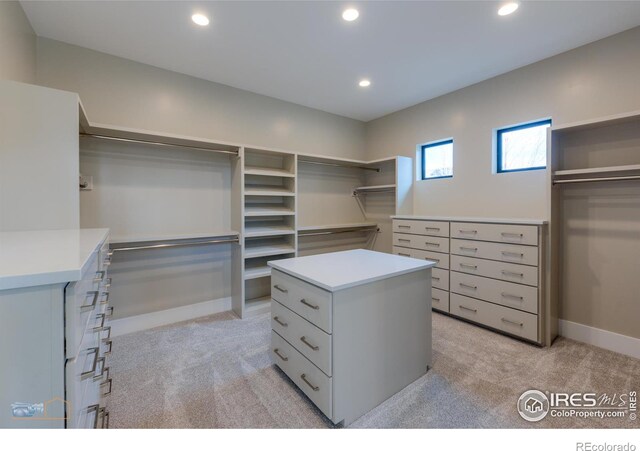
(162,318)
(612,341)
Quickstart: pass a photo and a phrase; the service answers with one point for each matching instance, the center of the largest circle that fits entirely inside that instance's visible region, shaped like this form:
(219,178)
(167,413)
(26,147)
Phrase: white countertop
(44,257)
(339,270)
(523,221)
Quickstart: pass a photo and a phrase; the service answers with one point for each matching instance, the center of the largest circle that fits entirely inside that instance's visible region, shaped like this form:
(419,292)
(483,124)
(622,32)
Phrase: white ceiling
(303,52)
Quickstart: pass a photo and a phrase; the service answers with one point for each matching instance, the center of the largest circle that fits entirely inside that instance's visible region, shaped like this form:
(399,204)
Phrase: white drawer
(440,300)
(308,301)
(501,233)
(510,272)
(311,341)
(440,278)
(442,260)
(313,382)
(511,253)
(521,297)
(425,243)
(508,320)
(418,227)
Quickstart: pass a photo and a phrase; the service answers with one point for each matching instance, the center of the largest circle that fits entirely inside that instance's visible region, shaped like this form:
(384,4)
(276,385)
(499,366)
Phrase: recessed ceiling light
(350,14)
(364,83)
(200,19)
(508,8)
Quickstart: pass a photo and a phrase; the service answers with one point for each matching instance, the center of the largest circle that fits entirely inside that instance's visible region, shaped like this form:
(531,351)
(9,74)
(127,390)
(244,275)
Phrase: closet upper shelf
(601,170)
(265,230)
(374,188)
(268,210)
(274,172)
(265,190)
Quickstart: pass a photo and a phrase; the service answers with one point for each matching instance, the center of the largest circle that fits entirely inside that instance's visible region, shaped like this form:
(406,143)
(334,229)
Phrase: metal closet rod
(333,232)
(598,179)
(156,143)
(339,165)
(168,245)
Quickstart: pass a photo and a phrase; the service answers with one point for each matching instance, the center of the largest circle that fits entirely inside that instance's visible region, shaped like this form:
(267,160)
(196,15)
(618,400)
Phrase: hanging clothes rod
(598,179)
(338,165)
(334,232)
(169,245)
(156,143)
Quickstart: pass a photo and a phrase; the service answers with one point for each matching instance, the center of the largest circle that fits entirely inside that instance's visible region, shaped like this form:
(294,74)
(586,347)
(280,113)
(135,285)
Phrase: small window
(437,160)
(523,147)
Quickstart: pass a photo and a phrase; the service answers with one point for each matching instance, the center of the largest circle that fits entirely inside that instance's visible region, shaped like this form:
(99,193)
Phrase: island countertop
(44,257)
(339,270)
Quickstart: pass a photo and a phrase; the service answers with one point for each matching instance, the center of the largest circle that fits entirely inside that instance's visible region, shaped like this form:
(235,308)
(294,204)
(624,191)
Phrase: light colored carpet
(215,372)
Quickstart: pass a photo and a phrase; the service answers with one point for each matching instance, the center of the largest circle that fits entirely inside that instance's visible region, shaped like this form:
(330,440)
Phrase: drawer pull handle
(314,347)
(512,296)
(110,253)
(282,323)
(511,273)
(467,308)
(471,287)
(313,387)
(109,312)
(315,307)
(400,226)
(505,320)
(468,231)
(102,318)
(106,261)
(109,383)
(94,408)
(110,344)
(102,362)
(279,288)
(108,331)
(506,234)
(466,265)
(94,301)
(92,371)
(105,298)
(99,276)
(403,240)
(432,244)
(437,229)
(105,417)
(472,249)
(404,255)
(435,278)
(107,282)
(284,358)
(512,254)
(435,299)
(437,260)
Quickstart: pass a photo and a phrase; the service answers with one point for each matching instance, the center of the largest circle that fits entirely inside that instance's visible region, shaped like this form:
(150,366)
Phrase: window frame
(513,128)
(423,149)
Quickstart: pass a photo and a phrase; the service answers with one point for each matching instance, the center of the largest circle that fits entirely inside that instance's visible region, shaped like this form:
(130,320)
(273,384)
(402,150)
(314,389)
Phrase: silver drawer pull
(512,254)
(400,226)
(284,358)
(107,282)
(109,252)
(471,287)
(92,371)
(94,408)
(513,296)
(511,273)
(106,261)
(103,368)
(472,249)
(505,320)
(109,383)
(435,299)
(314,347)
(102,318)
(109,312)
(313,387)
(435,278)
(110,344)
(105,417)
(467,308)
(315,307)
(282,323)
(105,298)
(99,276)
(432,244)
(279,288)
(468,231)
(404,255)
(518,235)
(94,301)
(437,229)
(403,240)
(106,329)
(466,265)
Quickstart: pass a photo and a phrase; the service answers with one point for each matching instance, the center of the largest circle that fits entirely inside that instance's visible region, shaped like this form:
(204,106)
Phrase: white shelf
(269,172)
(602,170)
(268,230)
(256,273)
(355,225)
(257,305)
(253,190)
(376,188)
(268,211)
(268,250)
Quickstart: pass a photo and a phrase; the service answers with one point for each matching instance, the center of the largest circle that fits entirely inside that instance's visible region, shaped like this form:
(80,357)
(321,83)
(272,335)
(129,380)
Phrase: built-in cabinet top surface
(339,270)
(44,257)
(527,221)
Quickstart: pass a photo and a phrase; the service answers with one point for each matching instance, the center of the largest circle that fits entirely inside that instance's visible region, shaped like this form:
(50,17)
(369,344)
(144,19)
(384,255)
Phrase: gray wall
(17,44)
(591,81)
(121,92)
